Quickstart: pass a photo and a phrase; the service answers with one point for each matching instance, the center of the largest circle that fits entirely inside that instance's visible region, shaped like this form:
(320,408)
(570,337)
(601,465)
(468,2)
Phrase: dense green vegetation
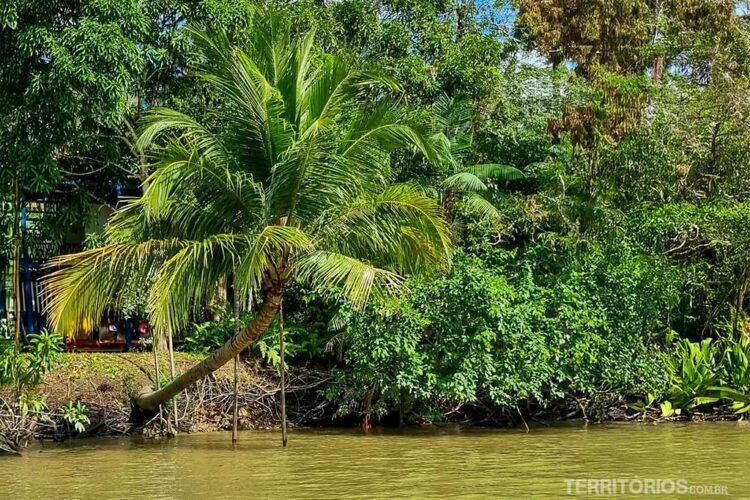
(594,184)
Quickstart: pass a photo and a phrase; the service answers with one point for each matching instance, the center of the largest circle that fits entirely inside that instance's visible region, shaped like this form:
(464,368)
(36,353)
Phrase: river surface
(596,461)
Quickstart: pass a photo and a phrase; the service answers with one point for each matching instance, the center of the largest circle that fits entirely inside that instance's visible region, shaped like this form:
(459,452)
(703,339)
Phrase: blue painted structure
(28,310)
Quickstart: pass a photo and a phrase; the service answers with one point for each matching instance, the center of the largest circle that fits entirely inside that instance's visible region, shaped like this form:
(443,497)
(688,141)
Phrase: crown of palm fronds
(294,182)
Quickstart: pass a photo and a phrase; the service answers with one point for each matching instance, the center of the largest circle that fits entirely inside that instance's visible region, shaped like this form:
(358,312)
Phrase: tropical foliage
(25,371)
(592,185)
(292,183)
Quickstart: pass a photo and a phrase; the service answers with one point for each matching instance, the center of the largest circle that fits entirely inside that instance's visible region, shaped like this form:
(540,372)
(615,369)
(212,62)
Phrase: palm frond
(400,227)
(190,276)
(294,82)
(271,44)
(356,279)
(482,207)
(84,285)
(387,129)
(199,197)
(453,114)
(493,172)
(335,86)
(464,181)
(259,131)
(159,121)
(268,258)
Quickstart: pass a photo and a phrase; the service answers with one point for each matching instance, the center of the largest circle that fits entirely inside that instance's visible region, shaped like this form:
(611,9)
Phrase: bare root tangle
(16,428)
(598,406)
(105,421)
(690,242)
(208,404)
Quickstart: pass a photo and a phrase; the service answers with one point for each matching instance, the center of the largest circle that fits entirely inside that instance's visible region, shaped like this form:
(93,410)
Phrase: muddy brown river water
(707,460)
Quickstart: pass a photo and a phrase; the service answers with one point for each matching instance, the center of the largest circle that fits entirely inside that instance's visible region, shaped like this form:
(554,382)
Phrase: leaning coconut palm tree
(292,182)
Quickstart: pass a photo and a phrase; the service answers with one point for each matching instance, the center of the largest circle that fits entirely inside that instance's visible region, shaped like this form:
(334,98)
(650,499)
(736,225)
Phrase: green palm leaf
(495,172)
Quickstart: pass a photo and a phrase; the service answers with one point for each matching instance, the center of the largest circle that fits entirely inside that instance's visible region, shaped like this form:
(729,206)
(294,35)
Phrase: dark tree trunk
(464,13)
(17,266)
(657,70)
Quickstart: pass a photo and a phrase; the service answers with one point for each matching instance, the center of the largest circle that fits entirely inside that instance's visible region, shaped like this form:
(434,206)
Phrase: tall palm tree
(292,182)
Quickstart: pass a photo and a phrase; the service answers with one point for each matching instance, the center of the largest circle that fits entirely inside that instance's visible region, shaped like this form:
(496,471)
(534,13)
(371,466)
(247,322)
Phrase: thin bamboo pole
(236,410)
(283,374)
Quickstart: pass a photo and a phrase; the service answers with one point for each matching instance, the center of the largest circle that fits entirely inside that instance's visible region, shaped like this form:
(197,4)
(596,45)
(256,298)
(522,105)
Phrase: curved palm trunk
(149,399)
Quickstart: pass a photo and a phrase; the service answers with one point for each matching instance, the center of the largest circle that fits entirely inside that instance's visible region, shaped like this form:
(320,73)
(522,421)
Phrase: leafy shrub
(76,415)
(709,244)
(24,370)
(307,332)
(695,378)
(210,335)
(501,335)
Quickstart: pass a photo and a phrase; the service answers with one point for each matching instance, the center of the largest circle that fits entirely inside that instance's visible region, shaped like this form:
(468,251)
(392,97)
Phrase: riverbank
(107,382)
(103,384)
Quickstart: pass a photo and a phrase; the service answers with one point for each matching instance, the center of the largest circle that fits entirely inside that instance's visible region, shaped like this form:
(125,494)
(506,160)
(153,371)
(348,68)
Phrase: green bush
(500,335)
(304,340)
(23,371)
(207,336)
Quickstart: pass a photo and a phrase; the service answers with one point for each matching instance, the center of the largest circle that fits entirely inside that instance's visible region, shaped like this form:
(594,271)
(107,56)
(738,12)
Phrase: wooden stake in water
(157,372)
(283,374)
(235,413)
(173,374)
(236,410)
